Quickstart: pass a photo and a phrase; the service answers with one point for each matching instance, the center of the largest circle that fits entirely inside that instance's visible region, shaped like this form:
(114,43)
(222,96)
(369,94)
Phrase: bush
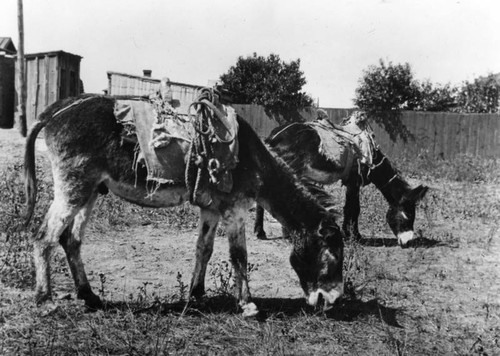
(269,82)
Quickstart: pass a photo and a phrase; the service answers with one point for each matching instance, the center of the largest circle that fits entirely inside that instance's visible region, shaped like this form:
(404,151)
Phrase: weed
(143,296)
(182,288)
(102,285)
(222,277)
(221,274)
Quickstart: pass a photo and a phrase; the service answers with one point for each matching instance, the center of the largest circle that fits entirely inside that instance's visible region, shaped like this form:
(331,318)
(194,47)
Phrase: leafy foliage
(479,96)
(387,89)
(269,82)
(384,91)
(435,97)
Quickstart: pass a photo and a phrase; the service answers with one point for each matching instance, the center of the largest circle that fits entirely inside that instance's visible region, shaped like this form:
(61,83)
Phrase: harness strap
(389,181)
(372,168)
(75,103)
(283,130)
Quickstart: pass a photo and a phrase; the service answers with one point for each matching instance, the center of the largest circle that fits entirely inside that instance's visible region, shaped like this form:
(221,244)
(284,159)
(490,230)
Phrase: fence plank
(443,135)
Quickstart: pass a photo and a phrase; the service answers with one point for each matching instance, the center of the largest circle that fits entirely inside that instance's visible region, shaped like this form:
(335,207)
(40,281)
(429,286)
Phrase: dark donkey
(88,156)
(299,145)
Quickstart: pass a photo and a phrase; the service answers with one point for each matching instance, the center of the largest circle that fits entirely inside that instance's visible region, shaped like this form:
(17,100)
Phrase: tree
(384,91)
(269,82)
(435,97)
(480,96)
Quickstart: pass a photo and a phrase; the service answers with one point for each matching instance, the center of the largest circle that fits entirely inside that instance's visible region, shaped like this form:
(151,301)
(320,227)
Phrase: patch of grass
(462,168)
(16,268)
(418,301)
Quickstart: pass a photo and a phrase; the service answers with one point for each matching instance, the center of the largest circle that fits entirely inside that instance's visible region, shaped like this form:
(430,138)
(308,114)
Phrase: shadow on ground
(346,310)
(387,242)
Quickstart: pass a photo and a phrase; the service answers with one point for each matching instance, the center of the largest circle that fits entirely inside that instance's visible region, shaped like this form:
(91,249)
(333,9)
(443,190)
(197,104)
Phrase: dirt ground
(446,295)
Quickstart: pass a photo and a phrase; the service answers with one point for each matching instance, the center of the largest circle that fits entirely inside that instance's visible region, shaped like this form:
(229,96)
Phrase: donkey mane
(301,198)
(305,137)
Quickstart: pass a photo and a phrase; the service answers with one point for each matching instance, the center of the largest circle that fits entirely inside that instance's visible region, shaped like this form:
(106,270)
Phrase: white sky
(193,41)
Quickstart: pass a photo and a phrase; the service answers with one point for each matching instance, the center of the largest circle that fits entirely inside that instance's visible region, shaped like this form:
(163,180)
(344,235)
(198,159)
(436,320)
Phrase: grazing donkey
(88,156)
(299,144)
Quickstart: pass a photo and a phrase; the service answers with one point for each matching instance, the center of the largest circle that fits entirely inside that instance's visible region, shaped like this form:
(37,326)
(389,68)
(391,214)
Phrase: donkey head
(401,215)
(317,258)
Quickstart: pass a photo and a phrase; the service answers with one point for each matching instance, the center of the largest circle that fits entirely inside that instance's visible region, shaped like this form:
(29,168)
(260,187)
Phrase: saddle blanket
(354,132)
(163,137)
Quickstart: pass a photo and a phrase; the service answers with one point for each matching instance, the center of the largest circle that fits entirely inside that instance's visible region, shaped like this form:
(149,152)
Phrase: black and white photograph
(261,177)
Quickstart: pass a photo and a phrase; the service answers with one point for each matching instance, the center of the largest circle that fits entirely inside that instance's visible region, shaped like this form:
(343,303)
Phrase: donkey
(88,157)
(299,145)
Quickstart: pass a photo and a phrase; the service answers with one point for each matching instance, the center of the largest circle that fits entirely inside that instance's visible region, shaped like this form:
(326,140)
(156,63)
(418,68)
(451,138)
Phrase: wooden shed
(7,82)
(128,84)
(50,76)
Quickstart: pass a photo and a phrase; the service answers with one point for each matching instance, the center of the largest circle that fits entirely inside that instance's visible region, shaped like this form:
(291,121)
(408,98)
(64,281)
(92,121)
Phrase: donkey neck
(387,180)
(278,190)
(289,202)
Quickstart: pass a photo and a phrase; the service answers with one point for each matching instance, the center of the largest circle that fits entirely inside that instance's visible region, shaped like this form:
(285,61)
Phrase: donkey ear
(418,193)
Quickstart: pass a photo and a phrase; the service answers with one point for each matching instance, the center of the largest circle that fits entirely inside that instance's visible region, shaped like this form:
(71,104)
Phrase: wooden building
(7,81)
(50,76)
(128,84)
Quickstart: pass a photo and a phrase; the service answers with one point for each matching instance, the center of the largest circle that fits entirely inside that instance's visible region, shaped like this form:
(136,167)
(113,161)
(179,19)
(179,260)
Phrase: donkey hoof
(405,238)
(93,302)
(249,310)
(197,292)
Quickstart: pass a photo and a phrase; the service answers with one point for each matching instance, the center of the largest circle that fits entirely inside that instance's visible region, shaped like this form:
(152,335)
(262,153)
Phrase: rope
(206,102)
(209,124)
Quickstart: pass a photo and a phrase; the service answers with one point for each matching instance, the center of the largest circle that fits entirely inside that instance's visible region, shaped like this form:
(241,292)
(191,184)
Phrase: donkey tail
(30,170)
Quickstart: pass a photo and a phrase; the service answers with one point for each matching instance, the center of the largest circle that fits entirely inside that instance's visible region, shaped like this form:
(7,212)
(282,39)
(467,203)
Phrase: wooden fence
(443,135)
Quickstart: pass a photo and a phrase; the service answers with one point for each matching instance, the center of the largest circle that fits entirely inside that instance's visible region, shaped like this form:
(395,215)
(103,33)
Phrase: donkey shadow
(346,310)
(422,242)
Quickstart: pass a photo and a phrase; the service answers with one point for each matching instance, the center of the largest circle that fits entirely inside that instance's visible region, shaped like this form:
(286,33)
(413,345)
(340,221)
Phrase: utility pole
(21,79)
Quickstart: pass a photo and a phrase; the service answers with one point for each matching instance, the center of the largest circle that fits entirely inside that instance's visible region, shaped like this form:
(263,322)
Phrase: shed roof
(148,79)
(51,54)
(7,46)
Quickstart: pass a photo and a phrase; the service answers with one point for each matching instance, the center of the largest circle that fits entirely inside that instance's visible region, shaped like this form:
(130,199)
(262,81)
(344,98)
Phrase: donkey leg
(57,219)
(207,227)
(71,241)
(235,230)
(258,227)
(351,211)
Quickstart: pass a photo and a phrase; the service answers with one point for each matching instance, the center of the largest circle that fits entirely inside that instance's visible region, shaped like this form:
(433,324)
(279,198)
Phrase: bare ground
(442,297)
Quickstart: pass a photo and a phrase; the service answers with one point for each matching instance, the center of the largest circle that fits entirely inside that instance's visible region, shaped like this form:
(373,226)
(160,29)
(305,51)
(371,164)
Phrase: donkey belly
(154,197)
